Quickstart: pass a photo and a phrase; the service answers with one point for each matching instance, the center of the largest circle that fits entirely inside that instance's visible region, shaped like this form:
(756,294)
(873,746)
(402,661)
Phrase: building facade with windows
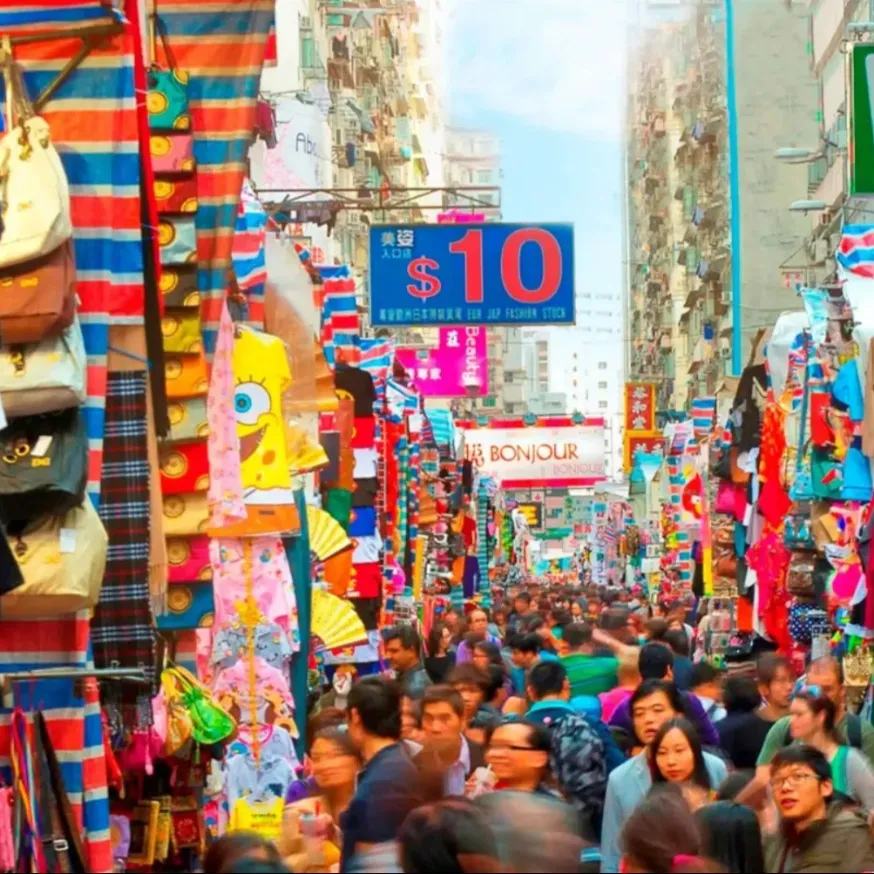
(712,92)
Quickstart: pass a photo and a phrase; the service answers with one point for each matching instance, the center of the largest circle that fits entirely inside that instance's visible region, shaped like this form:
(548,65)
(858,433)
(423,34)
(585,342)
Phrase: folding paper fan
(335,622)
(327,537)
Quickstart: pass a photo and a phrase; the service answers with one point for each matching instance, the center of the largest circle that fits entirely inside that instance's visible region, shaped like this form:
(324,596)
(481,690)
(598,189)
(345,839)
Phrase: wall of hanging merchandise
(84,477)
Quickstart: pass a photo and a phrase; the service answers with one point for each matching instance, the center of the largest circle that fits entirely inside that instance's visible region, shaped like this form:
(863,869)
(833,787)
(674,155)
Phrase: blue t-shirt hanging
(857,477)
(847,390)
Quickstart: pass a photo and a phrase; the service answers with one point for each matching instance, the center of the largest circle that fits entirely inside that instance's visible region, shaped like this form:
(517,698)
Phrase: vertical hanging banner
(640,430)
(492,274)
(639,407)
(457,367)
(861,120)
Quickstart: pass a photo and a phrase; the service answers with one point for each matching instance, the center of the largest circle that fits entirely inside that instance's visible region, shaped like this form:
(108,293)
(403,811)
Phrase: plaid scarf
(122,628)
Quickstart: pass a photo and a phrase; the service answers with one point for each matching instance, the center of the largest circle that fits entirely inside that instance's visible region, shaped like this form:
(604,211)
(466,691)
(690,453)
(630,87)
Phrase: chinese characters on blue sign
(492,274)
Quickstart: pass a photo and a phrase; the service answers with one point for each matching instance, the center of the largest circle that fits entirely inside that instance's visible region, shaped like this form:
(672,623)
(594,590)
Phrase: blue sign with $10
(490,274)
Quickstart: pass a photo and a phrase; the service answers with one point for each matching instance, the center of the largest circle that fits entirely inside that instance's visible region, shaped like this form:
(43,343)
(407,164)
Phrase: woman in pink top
(629,680)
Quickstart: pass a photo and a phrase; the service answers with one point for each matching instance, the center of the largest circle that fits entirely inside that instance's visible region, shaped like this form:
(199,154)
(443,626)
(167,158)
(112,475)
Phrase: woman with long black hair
(677,757)
(732,837)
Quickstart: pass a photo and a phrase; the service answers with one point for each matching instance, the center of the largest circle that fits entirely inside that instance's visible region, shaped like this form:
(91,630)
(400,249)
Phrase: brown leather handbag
(38,297)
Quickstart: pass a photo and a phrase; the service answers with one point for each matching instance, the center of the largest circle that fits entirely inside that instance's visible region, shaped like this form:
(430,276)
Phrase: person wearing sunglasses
(817,833)
(812,721)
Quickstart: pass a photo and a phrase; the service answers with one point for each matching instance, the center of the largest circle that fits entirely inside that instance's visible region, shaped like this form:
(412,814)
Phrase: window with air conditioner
(602,365)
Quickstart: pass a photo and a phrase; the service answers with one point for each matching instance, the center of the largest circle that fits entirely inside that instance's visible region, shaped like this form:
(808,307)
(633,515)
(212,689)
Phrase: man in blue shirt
(389,786)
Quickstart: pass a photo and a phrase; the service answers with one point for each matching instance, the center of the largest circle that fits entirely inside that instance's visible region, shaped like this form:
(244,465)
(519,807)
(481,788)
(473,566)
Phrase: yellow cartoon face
(260,375)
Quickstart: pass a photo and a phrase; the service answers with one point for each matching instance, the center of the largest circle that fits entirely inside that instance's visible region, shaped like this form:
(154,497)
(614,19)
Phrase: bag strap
(805,399)
(66,840)
(18,106)
(160,28)
(854,731)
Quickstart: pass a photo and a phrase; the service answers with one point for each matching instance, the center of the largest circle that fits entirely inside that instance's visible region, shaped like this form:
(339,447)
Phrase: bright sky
(548,77)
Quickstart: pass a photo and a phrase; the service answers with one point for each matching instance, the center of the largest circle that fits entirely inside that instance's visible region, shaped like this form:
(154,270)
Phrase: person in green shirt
(589,674)
(826,673)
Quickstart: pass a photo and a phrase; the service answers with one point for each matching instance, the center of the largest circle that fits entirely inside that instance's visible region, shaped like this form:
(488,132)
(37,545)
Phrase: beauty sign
(457,367)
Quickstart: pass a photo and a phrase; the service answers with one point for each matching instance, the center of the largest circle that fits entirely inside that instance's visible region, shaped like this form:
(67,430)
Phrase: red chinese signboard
(650,443)
(639,407)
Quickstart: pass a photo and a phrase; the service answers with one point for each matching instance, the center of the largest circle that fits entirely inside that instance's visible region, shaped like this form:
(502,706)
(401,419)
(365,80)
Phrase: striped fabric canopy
(221,45)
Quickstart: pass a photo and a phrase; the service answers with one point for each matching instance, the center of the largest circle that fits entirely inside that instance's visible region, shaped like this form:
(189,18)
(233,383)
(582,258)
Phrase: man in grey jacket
(403,650)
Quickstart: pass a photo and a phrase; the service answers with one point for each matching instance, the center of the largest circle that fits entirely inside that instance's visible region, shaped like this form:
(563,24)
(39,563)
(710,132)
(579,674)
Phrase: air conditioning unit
(306,23)
(725,353)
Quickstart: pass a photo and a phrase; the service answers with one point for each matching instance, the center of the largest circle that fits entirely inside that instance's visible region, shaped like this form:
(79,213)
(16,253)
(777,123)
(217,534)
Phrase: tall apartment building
(712,94)
(359,104)
(827,177)
(473,158)
(536,352)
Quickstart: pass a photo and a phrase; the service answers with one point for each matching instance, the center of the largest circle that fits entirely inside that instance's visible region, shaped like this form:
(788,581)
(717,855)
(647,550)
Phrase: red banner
(639,407)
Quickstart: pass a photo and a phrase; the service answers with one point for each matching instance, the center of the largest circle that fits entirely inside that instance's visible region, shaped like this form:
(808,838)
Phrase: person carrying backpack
(824,678)
(579,753)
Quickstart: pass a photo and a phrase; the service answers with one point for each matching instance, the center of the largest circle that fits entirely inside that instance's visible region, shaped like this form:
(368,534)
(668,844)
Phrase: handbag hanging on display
(33,184)
(44,377)
(43,465)
(38,298)
(62,560)
(167,100)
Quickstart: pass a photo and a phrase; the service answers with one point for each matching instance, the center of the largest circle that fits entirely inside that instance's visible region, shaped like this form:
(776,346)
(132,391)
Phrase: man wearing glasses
(817,832)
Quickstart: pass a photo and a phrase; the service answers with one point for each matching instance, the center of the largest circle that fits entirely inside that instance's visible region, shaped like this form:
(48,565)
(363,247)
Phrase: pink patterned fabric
(272,587)
(226,484)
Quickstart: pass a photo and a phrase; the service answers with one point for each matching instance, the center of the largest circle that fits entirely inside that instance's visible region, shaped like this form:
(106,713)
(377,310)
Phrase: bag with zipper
(44,377)
(210,724)
(62,560)
(38,298)
(43,465)
(33,184)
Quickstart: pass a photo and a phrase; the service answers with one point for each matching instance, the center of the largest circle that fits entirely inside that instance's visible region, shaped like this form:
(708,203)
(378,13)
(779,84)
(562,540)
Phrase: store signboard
(536,457)
(533,515)
(861,121)
(464,274)
(652,443)
(458,367)
(639,407)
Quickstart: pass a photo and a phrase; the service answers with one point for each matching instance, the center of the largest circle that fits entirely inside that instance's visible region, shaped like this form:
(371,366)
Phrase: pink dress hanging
(226,484)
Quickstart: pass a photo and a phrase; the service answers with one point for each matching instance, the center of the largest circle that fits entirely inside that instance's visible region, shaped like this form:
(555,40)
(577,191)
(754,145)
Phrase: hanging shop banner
(534,457)
(457,367)
(533,514)
(639,407)
(861,122)
(492,274)
(302,157)
(652,443)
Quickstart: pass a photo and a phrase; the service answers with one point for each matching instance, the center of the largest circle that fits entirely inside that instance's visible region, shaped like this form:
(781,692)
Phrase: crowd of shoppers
(571,731)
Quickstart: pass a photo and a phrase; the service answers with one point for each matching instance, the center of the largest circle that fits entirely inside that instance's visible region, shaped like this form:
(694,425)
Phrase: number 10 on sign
(490,274)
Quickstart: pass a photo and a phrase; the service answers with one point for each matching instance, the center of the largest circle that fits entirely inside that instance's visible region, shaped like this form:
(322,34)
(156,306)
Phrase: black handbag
(43,466)
(10,572)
